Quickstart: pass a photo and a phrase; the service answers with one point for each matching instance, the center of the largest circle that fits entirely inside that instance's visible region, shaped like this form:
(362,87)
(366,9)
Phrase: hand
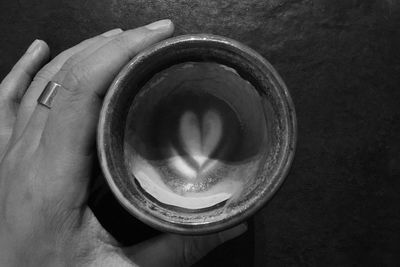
(46,160)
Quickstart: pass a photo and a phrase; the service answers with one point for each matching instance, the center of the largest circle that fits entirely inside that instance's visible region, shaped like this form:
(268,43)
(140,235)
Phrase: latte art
(195,135)
(199,140)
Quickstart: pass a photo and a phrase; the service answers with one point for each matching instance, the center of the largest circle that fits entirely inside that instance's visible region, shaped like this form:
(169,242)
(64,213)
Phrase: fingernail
(159,25)
(33,46)
(112,32)
(234,232)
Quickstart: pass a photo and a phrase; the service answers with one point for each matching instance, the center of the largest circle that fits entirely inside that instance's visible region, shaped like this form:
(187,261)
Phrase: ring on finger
(46,98)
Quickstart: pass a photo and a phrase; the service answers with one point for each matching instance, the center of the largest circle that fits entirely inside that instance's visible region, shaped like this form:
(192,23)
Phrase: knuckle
(76,77)
(127,45)
(121,43)
(68,66)
(64,55)
(71,62)
(45,74)
(22,69)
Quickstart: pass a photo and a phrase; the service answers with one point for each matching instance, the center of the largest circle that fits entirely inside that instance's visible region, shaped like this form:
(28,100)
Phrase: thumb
(175,250)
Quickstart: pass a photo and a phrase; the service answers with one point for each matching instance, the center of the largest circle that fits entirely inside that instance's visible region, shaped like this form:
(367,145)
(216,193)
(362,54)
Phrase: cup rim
(206,228)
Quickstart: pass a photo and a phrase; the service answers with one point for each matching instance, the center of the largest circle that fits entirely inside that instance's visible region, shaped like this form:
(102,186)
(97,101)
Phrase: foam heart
(200,140)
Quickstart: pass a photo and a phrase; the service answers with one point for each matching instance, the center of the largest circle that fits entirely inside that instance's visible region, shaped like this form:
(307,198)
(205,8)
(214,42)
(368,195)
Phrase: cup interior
(271,147)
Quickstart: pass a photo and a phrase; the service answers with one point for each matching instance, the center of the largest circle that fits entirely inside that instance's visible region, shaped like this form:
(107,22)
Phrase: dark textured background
(340,205)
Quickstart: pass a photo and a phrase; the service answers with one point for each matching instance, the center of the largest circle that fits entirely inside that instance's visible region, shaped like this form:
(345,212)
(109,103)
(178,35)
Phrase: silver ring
(47,96)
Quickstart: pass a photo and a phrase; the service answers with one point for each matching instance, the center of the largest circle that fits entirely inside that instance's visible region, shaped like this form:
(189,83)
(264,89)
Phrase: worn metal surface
(340,60)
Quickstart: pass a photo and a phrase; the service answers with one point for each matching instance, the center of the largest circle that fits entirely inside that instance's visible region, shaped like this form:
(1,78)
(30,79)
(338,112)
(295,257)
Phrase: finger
(96,72)
(174,250)
(72,121)
(51,69)
(47,74)
(15,84)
